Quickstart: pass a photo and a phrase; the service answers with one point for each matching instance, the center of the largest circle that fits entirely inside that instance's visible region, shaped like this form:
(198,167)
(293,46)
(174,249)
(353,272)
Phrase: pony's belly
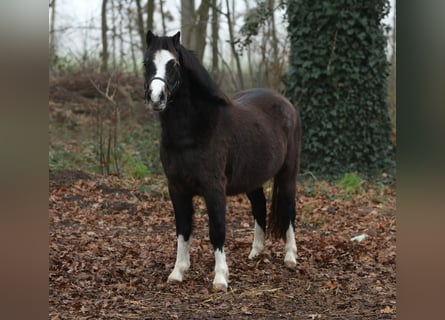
(193,172)
(249,170)
(232,190)
(248,180)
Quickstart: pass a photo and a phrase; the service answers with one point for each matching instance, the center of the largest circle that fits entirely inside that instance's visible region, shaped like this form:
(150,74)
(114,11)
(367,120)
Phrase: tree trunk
(187,22)
(235,54)
(140,23)
(150,11)
(215,36)
(273,29)
(275,76)
(161,6)
(133,55)
(121,35)
(200,29)
(104,65)
(194,25)
(114,34)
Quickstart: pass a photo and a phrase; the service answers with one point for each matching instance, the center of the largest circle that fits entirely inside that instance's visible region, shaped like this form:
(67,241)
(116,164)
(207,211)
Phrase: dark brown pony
(213,146)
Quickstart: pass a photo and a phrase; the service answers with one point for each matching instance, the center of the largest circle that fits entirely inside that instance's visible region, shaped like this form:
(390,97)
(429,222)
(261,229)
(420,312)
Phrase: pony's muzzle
(155,105)
(156,95)
(158,106)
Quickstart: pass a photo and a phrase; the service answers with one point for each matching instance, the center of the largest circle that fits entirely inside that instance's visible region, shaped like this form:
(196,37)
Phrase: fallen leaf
(387,310)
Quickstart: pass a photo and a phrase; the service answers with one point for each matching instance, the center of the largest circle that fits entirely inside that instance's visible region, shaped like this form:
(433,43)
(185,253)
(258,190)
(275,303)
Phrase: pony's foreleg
(258,203)
(182,260)
(220,282)
(217,231)
(183,208)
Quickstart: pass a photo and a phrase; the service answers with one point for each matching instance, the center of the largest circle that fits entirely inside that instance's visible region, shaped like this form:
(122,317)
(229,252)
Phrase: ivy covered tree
(338,80)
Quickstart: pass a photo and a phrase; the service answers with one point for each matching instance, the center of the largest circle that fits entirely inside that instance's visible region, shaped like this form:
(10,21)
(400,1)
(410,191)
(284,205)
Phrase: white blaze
(161,58)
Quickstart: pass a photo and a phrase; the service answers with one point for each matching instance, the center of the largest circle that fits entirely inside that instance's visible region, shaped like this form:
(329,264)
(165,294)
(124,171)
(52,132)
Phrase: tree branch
(106,93)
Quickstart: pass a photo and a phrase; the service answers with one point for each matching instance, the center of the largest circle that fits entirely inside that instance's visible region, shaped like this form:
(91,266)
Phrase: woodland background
(243,44)
(111,228)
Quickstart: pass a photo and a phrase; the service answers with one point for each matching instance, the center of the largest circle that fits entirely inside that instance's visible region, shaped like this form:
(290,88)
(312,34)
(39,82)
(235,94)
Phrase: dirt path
(112,246)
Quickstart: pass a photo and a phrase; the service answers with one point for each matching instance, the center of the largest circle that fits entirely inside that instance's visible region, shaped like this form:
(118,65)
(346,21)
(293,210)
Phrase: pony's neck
(201,83)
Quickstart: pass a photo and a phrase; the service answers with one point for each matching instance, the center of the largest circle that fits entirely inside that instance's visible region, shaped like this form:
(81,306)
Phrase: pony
(214,146)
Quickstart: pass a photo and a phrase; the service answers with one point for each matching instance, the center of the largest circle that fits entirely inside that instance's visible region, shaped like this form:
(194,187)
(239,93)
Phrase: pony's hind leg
(258,203)
(183,207)
(288,206)
(290,257)
(282,219)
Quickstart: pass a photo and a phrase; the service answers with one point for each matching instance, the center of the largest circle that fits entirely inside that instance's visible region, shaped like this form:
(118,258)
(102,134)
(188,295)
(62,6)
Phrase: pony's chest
(185,167)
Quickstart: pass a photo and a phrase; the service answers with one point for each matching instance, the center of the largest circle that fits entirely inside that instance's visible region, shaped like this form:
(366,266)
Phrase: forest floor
(112,246)
(112,241)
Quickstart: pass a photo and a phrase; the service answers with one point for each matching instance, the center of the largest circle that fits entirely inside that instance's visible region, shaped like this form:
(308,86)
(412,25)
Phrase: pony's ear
(176,38)
(149,37)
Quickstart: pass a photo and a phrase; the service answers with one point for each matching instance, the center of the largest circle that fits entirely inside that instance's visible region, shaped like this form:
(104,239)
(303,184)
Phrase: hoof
(253,254)
(290,264)
(220,287)
(175,276)
(173,280)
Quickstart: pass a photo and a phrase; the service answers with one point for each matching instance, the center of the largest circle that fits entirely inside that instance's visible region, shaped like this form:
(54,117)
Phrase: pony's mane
(191,62)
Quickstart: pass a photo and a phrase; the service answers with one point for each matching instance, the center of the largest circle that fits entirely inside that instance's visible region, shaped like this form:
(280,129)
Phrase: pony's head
(168,67)
(162,70)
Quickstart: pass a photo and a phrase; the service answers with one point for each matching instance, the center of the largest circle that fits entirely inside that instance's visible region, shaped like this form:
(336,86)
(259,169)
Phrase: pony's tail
(283,206)
(279,219)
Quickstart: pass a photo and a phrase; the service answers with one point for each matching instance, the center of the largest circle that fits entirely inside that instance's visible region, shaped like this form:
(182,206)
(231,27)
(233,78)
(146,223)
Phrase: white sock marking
(161,58)
(182,260)
(258,241)
(290,258)
(221,271)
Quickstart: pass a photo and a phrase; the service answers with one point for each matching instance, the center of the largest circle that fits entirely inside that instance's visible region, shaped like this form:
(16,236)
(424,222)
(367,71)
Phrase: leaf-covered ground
(112,246)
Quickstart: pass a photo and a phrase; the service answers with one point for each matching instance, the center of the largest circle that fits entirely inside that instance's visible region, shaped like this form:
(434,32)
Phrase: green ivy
(338,80)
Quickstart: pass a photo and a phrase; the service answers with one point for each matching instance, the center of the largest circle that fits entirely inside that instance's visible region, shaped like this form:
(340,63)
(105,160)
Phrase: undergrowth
(77,148)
